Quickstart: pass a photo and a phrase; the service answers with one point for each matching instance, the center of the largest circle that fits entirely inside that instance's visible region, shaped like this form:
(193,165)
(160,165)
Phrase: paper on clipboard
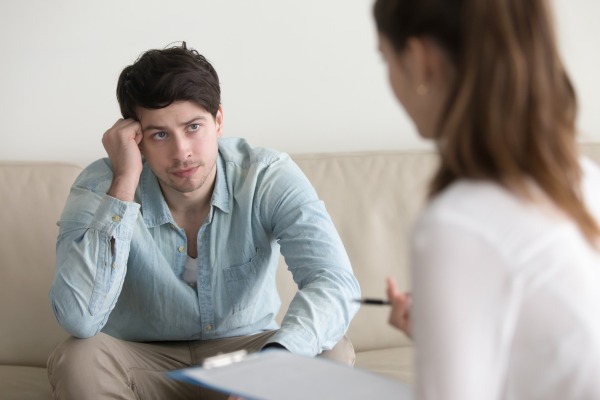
(279,374)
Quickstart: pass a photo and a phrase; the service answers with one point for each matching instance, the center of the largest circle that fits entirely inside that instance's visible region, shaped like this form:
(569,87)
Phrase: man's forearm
(91,261)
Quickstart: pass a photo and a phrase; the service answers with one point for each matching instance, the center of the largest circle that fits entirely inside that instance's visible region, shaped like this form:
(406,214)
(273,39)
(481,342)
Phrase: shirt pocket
(244,283)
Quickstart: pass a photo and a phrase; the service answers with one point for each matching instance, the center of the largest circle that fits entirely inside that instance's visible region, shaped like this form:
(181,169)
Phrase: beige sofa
(373,198)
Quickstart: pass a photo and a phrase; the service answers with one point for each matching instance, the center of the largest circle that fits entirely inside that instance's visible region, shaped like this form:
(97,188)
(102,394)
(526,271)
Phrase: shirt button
(208,328)
(116,218)
(181,249)
(114,265)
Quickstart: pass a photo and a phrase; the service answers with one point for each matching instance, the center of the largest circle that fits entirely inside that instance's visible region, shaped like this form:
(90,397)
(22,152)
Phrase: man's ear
(219,121)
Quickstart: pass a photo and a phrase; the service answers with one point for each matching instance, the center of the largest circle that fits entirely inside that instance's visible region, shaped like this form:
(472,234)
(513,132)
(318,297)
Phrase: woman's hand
(401,302)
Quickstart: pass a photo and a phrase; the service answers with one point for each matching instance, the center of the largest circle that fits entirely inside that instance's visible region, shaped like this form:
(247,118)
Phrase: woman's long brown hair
(510,115)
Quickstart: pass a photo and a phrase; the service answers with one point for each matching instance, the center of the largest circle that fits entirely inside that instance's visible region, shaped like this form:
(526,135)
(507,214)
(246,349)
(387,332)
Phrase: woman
(506,256)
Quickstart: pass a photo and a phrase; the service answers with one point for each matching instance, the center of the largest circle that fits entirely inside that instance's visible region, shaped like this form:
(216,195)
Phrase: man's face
(180,145)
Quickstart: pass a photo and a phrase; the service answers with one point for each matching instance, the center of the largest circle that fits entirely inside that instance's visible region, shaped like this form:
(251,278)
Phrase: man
(168,248)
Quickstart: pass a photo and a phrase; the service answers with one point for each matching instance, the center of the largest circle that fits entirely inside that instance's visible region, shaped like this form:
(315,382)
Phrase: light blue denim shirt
(262,203)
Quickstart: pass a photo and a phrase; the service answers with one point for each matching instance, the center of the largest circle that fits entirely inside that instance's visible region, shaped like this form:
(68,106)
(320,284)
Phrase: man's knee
(74,352)
(82,368)
(342,352)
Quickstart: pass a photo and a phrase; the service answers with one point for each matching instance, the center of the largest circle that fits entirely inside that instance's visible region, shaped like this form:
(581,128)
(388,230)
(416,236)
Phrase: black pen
(377,302)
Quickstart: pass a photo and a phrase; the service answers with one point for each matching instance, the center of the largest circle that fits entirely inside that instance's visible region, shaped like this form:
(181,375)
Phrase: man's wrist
(123,188)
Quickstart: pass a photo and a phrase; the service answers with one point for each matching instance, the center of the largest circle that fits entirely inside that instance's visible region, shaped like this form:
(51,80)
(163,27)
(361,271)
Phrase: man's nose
(181,148)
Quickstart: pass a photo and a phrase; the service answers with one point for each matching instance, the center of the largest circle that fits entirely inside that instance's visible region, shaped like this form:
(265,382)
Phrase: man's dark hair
(161,77)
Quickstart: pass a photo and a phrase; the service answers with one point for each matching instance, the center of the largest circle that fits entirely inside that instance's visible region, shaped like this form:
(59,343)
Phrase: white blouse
(506,297)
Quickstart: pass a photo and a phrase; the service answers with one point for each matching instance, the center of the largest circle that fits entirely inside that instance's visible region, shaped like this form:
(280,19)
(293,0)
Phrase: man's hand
(121,143)
(401,302)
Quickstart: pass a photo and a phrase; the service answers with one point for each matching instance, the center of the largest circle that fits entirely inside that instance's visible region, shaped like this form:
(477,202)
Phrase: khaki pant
(103,367)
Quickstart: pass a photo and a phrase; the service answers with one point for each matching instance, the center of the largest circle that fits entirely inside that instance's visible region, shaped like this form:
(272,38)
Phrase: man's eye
(159,135)
(194,127)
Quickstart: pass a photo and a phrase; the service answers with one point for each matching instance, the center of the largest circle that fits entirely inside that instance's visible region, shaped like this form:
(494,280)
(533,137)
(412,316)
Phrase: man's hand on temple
(121,143)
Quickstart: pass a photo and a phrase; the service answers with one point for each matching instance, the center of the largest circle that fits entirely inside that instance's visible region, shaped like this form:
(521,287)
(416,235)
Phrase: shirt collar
(153,205)
(220,197)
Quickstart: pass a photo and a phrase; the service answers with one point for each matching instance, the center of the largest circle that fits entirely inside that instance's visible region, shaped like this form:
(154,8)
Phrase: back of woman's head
(510,113)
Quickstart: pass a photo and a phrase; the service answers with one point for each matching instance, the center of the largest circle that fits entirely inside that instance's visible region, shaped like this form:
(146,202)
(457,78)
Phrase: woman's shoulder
(473,199)
(590,185)
(590,168)
(490,210)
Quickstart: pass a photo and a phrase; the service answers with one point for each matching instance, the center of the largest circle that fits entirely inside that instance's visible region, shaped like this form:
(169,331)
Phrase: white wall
(300,76)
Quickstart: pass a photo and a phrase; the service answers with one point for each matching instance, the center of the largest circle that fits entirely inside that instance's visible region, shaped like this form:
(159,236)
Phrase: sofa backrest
(32,196)
(373,199)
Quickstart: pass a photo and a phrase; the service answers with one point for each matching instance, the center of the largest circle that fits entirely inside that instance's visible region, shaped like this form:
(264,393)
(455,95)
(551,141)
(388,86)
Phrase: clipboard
(278,374)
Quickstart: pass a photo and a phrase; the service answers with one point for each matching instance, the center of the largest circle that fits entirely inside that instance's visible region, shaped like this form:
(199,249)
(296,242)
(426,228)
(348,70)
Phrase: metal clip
(224,359)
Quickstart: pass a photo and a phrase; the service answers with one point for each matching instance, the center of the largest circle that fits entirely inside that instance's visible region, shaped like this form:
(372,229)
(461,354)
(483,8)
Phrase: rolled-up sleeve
(95,232)
(321,310)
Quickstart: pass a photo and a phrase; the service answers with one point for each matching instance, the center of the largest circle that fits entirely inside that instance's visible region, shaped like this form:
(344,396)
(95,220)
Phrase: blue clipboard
(278,374)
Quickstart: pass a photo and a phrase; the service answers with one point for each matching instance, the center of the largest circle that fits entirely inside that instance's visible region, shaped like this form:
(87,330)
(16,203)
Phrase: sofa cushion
(23,383)
(373,199)
(395,362)
(33,196)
